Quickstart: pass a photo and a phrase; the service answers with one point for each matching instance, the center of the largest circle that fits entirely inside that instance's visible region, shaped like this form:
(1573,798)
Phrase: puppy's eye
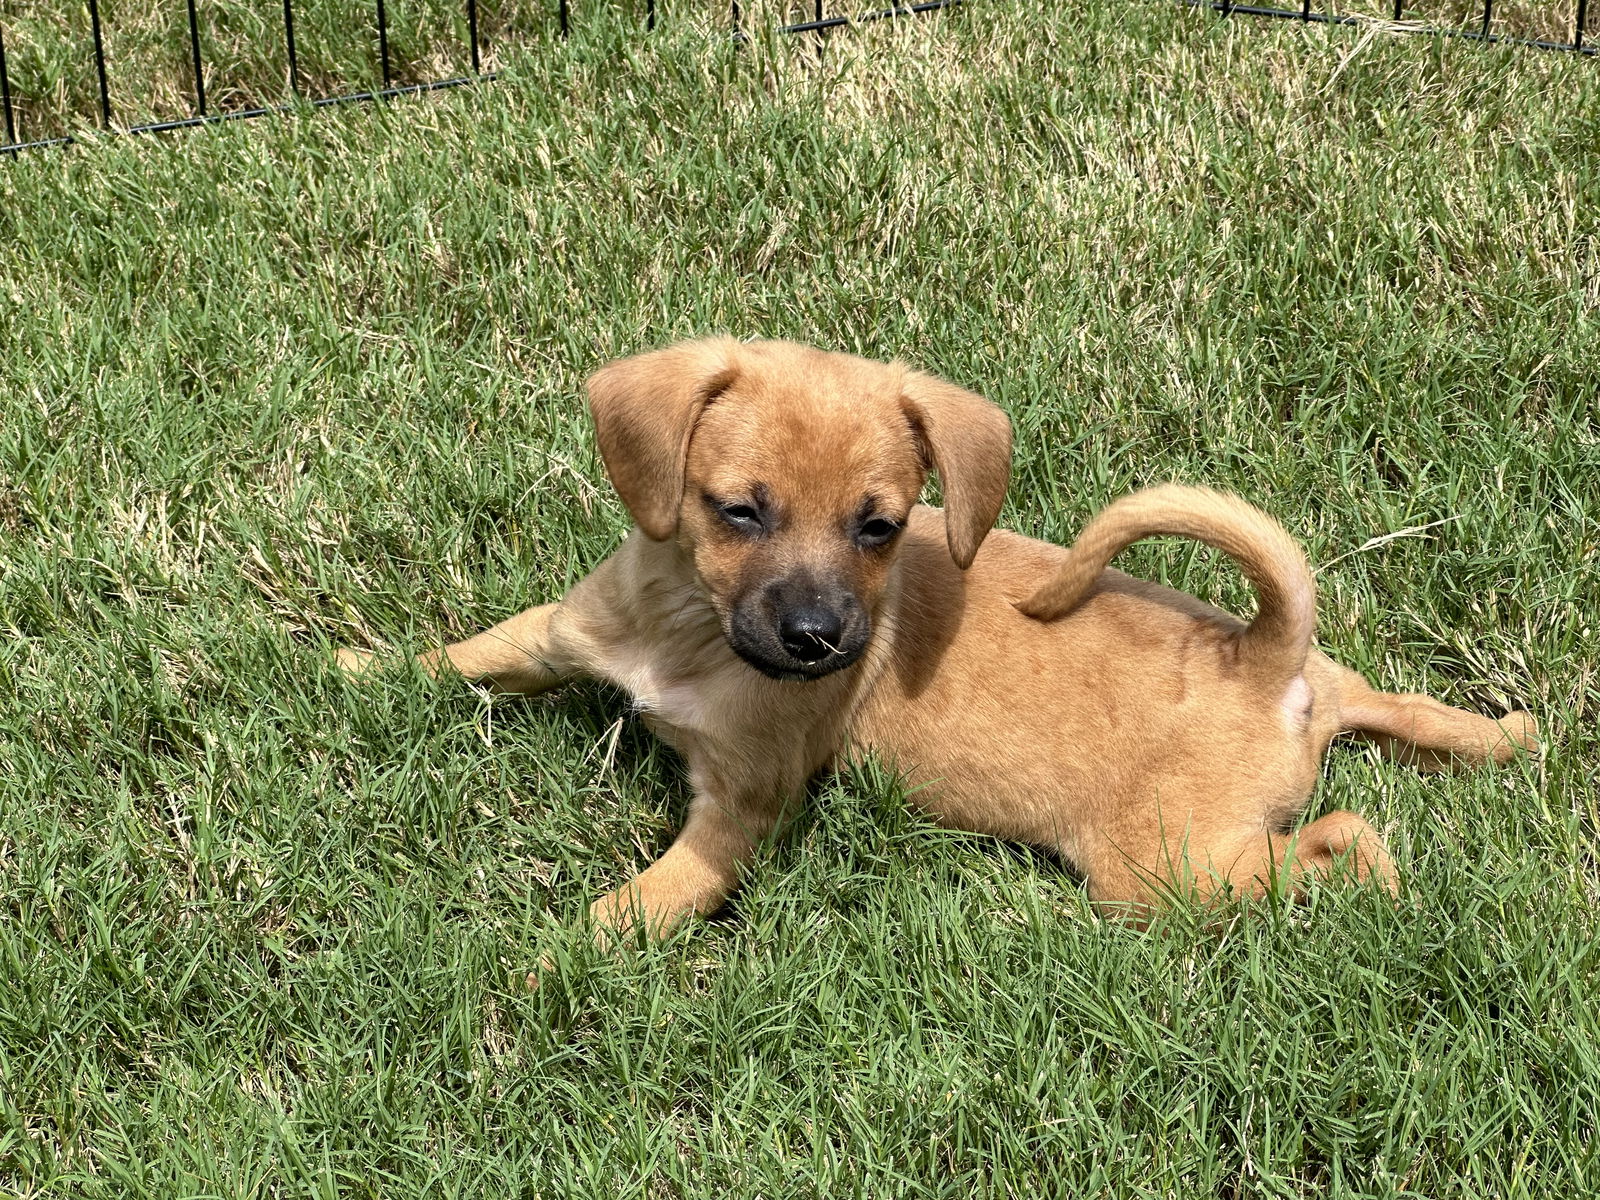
(742,517)
(879,531)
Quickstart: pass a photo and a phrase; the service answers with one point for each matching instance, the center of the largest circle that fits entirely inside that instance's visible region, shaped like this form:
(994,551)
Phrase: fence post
(5,93)
(383,42)
(288,39)
(100,65)
(194,49)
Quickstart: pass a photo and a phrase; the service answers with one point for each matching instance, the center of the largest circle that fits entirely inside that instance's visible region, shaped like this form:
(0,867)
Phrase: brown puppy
(784,603)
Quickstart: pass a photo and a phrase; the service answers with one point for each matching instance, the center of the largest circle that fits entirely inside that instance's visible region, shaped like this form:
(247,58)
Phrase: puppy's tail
(1279,637)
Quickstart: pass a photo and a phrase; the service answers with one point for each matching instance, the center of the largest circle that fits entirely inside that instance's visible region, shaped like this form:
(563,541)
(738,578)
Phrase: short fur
(1025,690)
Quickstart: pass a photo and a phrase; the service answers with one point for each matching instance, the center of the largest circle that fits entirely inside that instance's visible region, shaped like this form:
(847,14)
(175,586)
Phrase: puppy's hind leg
(525,653)
(1422,732)
(1339,843)
(1210,864)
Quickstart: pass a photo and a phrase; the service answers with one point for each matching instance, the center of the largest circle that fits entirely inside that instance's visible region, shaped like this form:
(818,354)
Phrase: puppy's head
(788,474)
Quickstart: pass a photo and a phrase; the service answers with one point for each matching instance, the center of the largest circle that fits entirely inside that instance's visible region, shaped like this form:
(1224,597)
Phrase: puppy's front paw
(354,662)
(563,953)
(1522,731)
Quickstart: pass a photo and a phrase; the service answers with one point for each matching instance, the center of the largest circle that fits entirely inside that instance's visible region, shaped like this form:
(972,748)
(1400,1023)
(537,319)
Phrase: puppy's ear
(645,408)
(968,441)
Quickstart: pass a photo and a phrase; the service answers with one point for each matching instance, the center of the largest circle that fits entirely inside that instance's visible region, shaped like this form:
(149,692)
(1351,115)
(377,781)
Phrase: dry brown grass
(55,90)
(244,51)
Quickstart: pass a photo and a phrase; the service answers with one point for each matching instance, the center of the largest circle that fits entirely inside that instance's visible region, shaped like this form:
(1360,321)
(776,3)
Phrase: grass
(271,388)
(50,53)
(55,88)
(244,51)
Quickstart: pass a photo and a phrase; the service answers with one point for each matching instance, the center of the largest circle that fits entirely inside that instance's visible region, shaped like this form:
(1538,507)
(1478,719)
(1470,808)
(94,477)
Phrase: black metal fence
(376,22)
(1477,25)
(1567,32)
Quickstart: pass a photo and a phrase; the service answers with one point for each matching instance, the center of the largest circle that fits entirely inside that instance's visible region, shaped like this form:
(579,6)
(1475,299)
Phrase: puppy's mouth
(799,642)
(794,670)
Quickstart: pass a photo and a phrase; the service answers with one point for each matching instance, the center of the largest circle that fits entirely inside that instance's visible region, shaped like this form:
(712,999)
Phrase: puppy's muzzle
(799,627)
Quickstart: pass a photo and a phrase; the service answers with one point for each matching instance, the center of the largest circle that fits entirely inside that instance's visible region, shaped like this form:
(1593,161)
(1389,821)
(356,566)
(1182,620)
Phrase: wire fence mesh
(1535,23)
(146,66)
(137,66)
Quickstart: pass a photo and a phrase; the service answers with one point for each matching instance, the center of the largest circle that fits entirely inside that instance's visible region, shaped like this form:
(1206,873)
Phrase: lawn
(289,384)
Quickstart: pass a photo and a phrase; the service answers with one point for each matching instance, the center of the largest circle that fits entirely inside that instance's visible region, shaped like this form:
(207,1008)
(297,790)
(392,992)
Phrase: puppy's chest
(702,696)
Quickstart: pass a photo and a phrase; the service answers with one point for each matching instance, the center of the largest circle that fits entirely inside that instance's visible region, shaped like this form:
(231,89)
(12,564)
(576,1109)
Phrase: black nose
(811,632)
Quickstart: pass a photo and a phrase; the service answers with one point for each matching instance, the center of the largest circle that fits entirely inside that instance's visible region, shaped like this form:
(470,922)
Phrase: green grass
(55,88)
(50,53)
(276,387)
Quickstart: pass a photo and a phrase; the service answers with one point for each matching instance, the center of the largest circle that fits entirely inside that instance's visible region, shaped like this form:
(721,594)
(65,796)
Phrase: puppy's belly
(1084,784)
(1064,733)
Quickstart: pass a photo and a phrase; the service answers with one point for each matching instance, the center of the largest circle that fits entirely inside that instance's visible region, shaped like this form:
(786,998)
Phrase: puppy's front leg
(525,653)
(696,874)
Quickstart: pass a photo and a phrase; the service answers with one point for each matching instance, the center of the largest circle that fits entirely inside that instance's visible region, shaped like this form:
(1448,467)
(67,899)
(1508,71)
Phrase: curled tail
(1279,637)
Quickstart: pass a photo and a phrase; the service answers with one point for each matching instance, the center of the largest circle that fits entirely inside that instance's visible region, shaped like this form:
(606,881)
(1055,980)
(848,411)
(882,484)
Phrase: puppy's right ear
(645,408)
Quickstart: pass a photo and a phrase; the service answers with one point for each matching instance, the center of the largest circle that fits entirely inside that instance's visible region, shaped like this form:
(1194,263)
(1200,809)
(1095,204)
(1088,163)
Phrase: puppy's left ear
(968,441)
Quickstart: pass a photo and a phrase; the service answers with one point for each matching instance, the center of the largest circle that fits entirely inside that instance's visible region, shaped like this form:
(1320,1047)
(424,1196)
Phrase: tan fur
(1023,690)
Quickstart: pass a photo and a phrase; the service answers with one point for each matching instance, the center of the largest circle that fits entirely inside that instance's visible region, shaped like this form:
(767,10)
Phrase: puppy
(784,603)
